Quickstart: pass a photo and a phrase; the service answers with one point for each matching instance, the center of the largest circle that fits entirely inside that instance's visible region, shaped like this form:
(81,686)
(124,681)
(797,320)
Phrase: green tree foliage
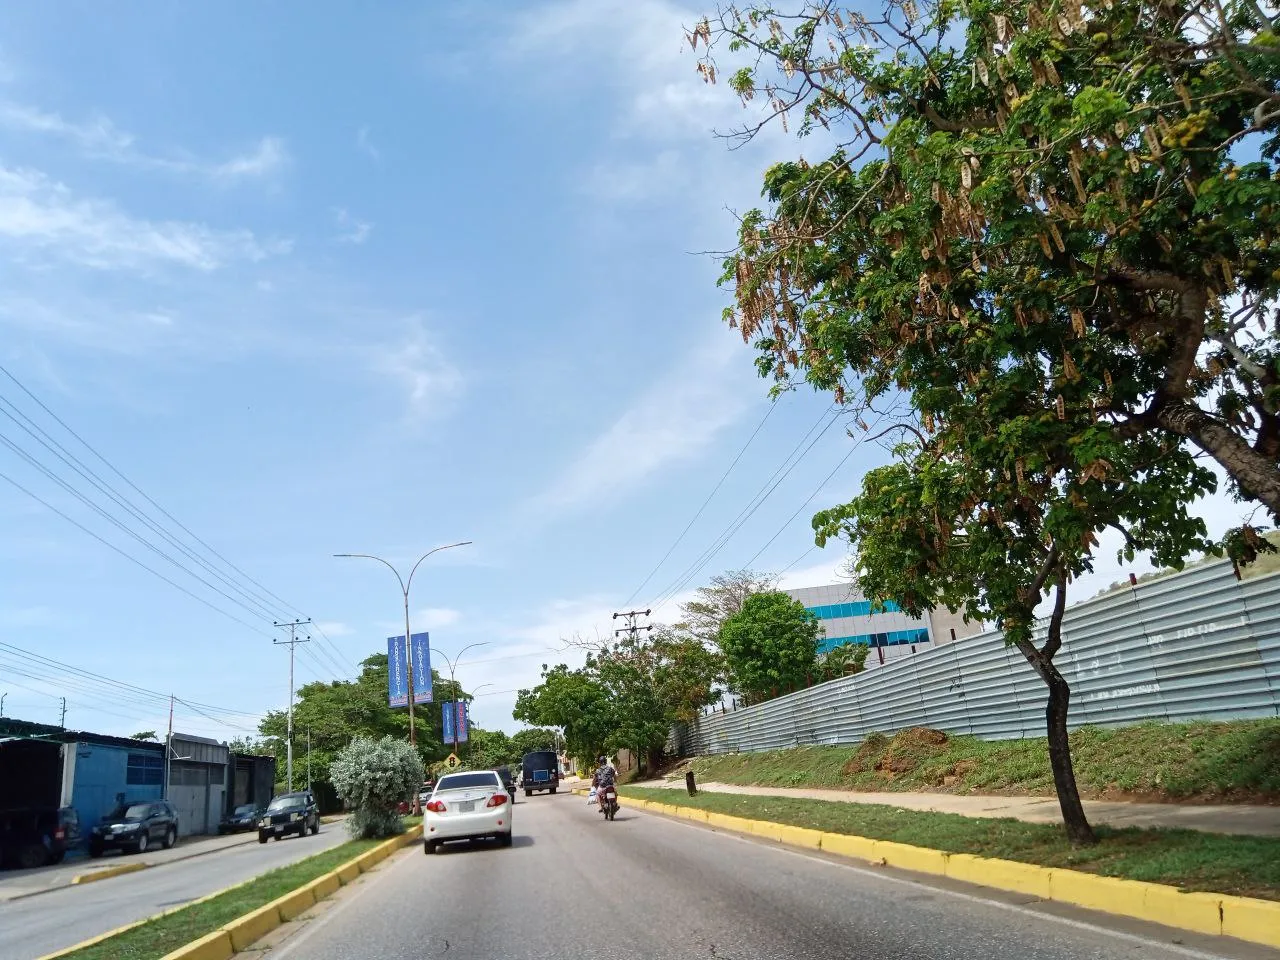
(338,711)
(573,700)
(843,661)
(715,603)
(373,777)
(770,646)
(531,739)
(627,695)
(1053,228)
(145,735)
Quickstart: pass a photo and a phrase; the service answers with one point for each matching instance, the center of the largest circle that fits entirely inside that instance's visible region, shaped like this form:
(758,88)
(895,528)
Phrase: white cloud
(266,158)
(101,139)
(365,145)
(353,231)
(674,419)
(434,618)
(428,378)
(40,213)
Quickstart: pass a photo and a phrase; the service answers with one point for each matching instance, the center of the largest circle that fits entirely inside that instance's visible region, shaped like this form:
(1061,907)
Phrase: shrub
(372,777)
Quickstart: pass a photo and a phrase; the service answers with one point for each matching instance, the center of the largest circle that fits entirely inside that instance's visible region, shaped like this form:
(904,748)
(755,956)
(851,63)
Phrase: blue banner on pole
(446,722)
(397,677)
(421,667)
(462,721)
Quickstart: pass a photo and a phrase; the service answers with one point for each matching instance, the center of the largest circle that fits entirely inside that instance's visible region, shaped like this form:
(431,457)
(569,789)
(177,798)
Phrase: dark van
(539,771)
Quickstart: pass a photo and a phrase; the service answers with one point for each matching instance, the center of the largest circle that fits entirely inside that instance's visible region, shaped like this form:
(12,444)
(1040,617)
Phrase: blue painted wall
(102,772)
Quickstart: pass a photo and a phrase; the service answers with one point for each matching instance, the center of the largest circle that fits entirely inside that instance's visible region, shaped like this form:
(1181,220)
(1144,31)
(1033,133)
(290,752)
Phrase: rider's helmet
(602,760)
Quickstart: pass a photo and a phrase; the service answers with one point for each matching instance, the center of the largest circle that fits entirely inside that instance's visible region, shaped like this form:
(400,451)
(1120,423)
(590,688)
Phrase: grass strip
(1188,859)
(1211,761)
(163,935)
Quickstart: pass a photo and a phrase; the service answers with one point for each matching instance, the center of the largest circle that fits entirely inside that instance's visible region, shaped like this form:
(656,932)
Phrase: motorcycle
(609,802)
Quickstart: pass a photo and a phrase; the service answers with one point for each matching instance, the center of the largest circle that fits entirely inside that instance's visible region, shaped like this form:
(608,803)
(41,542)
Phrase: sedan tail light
(436,806)
(497,800)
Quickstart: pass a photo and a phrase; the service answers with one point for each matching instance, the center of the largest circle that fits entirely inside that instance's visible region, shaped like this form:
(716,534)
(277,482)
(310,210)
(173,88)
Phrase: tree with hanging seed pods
(1055,226)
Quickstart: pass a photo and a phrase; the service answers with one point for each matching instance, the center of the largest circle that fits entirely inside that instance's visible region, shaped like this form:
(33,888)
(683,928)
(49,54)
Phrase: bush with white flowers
(372,777)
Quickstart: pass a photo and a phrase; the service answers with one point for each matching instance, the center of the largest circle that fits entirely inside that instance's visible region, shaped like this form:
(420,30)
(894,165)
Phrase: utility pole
(308,759)
(293,642)
(168,748)
(631,618)
(2,696)
(63,721)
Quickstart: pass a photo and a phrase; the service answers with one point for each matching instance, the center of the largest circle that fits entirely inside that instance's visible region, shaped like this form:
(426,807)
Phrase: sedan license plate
(467,806)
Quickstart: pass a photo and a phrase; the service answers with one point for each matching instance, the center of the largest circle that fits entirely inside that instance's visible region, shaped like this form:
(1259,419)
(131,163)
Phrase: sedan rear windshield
(464,781)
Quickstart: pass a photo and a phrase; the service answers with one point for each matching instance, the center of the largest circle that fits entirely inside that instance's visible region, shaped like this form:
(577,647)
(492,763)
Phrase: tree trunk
(1064,776)
(1257,475)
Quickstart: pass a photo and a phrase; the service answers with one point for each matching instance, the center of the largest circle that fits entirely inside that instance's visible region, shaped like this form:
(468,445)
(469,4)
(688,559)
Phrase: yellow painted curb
(324,886)
(1245,918)
(295,904)
(212,946)
(351,869)
(107,872)
(252,927)
(1257,921)
(1004,874)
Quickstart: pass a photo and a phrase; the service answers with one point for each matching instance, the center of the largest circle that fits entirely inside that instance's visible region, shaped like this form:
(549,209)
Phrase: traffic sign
(452,761)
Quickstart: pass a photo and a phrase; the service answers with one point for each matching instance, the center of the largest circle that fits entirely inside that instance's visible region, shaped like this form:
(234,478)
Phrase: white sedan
(467,806)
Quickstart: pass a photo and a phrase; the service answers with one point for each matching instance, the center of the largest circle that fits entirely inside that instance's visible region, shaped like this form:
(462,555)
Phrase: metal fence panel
(1198,644)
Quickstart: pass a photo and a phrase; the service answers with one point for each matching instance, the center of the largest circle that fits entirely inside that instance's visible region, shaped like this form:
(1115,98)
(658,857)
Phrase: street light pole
(408,642)
(470,696)
(453,666)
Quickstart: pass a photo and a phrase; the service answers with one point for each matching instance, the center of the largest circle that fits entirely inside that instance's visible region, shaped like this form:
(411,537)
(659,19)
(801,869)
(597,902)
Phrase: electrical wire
(694,519)
(792,460)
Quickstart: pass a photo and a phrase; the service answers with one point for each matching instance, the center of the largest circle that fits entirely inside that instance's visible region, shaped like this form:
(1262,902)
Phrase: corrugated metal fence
(1198,644)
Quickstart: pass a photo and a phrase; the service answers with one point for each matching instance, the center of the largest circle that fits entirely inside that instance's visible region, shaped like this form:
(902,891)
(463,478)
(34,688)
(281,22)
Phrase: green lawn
(1248,866)
(161,936)
(1238,761)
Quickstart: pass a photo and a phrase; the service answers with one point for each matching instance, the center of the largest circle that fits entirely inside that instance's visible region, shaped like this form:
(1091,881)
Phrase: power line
(788,464)
(818,489)
(96,481)
(127,556)
(694,519)
(253,601)
(85,443)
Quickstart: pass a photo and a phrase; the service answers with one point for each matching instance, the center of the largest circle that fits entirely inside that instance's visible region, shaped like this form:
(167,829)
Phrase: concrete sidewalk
(1259,821)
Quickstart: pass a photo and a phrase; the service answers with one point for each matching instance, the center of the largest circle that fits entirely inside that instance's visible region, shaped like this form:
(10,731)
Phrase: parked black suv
(289,813)
(36,837)
(137,827)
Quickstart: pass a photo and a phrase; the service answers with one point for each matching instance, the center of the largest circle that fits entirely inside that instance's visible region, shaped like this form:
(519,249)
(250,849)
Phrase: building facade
(848,618)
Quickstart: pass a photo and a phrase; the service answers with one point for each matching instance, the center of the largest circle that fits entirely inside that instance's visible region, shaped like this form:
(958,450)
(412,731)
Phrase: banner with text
(398,676)
(447,714)
(462,721)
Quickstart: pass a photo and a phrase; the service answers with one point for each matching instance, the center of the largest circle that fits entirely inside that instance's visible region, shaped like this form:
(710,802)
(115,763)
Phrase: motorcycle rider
(605,776)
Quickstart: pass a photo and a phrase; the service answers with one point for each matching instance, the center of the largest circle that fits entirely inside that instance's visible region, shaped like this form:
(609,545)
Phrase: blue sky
(320,280)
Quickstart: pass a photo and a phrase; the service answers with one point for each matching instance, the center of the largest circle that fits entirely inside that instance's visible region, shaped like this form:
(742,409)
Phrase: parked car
(508,781)
(467,806)
(540,770)
(136,827)
(243,817)
(289,813)
(37,837)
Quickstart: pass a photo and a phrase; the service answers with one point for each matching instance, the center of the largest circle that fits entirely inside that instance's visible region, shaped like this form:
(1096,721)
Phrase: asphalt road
(644,886)
(33,926)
